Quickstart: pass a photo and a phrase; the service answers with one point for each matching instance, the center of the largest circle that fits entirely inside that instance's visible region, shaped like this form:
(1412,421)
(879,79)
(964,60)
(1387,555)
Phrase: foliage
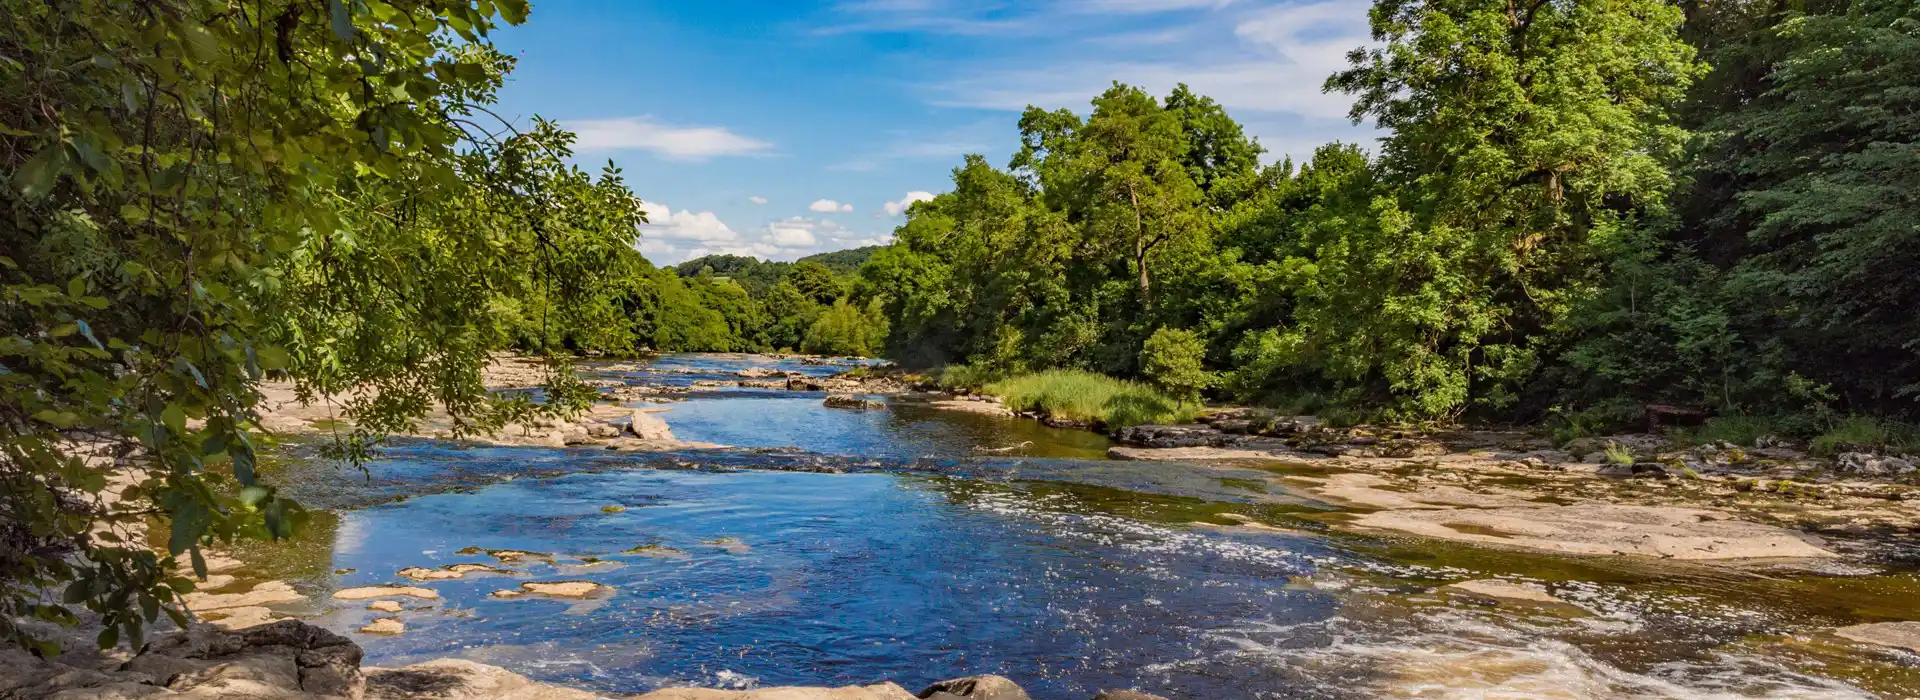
(1086,397)
(847,330)
(203,194)
(1745,431)
(1867,434)
(1171,360)
(1618,453)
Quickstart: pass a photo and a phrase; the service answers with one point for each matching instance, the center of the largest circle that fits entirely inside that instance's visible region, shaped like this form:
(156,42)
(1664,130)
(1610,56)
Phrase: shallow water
(887,547)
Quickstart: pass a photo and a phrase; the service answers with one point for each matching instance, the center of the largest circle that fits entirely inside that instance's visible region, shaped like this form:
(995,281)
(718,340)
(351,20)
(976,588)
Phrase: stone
(421,574)
(658,551)
(1504,590)
(564,589)
(267,593)
(1898,635)
(384,625)
(974,688)
(366,592)
(241,618)
(1637,470)
(733,545)
(1865,464)
(391,606)
(853,402)
(647,426)
(757,372)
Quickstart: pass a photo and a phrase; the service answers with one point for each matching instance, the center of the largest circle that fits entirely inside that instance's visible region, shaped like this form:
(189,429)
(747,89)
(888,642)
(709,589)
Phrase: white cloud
(1143,6)
(757,199)
(900,207)
(643,133)
(788,235)
(828,206)
(665,224)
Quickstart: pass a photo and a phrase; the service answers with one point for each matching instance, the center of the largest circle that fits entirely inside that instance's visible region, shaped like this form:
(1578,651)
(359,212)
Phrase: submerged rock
(1505,590)
(975,688)
(853,402)
(384,625)
(1899,635)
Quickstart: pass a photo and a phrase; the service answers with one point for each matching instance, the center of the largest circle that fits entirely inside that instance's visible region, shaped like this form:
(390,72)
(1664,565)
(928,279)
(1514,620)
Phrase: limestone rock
(241,618)
(366,592)
(422,574)
(264,594)
(647,426)
(974,688)
(1899,635)
(1505,590)
(459,679)
(384,625)
(757,372)
(853,402)
(1166,436)
(391,606)
(564,589)
(1602,529)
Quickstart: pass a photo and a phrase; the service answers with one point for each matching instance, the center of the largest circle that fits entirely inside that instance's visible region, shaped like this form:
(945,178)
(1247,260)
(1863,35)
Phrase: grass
(1861,433)
(1073,395)
(965,377)
(1619,454)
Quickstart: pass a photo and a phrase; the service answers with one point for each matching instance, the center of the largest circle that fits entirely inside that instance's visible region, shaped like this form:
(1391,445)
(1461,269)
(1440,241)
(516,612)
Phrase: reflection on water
(921,560)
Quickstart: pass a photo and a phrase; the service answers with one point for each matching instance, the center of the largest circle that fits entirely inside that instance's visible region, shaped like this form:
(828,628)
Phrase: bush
(847,330)
(1744,431)
(1074,395)
(967,378)
(1172,360)
(1864,434)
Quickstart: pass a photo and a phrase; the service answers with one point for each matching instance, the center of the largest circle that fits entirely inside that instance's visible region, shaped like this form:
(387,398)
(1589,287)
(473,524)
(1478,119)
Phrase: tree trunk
(1140,247)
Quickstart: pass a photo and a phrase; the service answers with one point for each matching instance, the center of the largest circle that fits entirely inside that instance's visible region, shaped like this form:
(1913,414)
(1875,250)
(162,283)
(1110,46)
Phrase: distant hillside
(843,262)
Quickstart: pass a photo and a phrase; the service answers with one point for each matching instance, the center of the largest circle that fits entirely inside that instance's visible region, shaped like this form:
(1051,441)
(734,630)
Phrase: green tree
(198,191)
(1173,360)
(846,329)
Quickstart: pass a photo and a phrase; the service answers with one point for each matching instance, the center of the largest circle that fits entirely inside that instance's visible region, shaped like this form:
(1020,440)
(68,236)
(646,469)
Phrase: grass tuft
(1074,395)
(1744,431)
(1864,434)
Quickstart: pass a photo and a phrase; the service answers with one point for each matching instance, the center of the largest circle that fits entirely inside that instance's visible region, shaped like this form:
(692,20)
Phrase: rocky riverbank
(293,660)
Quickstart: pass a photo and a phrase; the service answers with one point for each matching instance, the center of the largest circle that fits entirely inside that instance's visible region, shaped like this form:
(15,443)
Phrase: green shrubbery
(1080,396)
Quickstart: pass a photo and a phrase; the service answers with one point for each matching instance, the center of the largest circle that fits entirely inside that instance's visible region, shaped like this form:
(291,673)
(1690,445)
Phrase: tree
(847,330)
(198,192)
(1173,360)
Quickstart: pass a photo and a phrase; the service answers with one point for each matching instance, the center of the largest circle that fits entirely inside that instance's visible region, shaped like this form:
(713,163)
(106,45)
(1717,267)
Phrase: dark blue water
(884,545)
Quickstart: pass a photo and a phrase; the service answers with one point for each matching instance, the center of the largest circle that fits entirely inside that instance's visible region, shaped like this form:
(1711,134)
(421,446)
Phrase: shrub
(1861,433)
(1172,360)
(1745,431)
(1075,395)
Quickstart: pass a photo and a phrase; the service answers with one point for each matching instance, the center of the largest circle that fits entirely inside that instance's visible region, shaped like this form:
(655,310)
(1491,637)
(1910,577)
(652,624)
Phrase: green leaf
(342,20)
(243,467)
(57,419)
(109,637)
(513,11)
(37,176)
(273,357)
(174,418)
(75,592)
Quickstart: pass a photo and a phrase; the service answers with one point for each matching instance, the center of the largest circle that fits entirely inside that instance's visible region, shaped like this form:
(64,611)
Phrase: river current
(835,547)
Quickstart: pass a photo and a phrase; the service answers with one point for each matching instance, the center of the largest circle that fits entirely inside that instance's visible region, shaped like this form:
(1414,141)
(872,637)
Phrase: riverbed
(835,547)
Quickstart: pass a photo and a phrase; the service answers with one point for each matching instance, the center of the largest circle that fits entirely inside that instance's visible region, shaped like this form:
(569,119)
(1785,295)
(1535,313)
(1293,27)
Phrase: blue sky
(781,129)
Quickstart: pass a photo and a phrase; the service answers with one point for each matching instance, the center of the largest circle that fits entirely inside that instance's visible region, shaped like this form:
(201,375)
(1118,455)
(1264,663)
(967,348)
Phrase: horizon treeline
(1576,208)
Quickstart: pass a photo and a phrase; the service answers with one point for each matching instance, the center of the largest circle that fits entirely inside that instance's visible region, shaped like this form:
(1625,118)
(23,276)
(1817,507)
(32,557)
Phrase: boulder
(647,426)
(1165,436)
(853,402)
(802,383)
(974,688)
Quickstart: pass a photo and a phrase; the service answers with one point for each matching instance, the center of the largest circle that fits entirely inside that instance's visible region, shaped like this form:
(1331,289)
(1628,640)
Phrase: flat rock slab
(556,589)
(884,691)
(1505,590)
(368,592)
(459,679)
(267,593)
(1184,454)
(1604,529)
(983,687)
(1899,635)
(391,606)
(385,625)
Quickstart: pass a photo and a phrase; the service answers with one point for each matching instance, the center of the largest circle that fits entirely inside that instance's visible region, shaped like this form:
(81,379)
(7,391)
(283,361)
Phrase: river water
(835,547)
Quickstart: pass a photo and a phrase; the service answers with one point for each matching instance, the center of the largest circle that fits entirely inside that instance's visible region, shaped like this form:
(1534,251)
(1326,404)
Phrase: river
(834,547)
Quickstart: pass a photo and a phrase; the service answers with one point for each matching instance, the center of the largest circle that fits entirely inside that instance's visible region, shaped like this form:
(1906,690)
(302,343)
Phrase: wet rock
(368,592)
(459,679)
(384,625)
(1126,695)
(801,383)
(241,618)
(392,606)
(646,426)
(1637,470)
(564,589)
(1899,635)
(1504,590)
(758,372)
(974,688)
(1865,464)
(1168,436)
(732,545)
(853,402)
(1595,528)
(421,574)
(658,551)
